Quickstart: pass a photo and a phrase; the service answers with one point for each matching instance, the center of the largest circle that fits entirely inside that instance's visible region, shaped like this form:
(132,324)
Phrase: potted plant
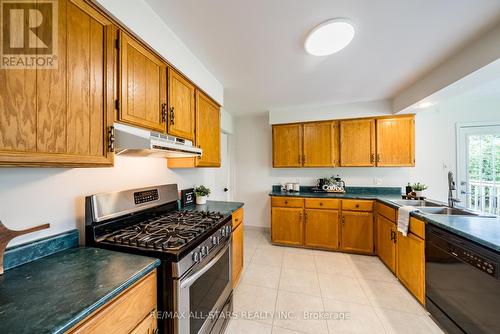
(419,188)
(201,193)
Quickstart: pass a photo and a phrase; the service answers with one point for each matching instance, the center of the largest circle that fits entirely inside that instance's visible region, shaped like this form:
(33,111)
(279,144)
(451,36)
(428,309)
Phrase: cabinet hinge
(117,104)
(111,139)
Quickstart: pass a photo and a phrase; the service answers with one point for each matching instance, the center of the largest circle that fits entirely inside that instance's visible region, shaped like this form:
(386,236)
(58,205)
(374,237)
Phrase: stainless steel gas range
(194,279)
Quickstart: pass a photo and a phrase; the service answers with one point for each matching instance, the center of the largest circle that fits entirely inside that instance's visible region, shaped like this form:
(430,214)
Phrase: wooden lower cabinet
(321,228)
(287,226)
(131,312)
(386,241)
(357,232)
(410,264)
(237,245)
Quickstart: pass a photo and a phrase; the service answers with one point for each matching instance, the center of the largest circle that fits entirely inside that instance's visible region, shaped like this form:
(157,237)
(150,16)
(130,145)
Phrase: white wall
(30,197)
(139,17)
(435,155)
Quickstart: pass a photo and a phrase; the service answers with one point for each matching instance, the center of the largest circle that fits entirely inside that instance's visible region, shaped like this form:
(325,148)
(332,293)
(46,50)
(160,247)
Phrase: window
(478,163)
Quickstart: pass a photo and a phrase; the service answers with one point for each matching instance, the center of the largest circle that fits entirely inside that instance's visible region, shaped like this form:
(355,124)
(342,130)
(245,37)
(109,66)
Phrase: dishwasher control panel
(479,262)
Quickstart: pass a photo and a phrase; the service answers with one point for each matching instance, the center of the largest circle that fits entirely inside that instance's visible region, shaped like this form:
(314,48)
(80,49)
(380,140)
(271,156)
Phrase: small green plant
(201,191)
(418,186)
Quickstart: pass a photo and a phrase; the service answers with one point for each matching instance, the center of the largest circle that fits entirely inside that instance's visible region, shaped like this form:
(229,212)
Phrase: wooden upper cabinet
(396,141)
(207,131)
(320,144)
(287,145)
(61,116)
(357,143)
(181,106)
(143,86)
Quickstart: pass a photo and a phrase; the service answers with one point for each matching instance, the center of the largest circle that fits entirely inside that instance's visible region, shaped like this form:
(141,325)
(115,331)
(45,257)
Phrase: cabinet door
(396,141)
(207,131)
(318,144)
(410,266)
(287,226)
(181,113)
(143,86)
(322,228)
(237,248)
(61,116)
(357,143)
(147,326)
(287,145)
(386,246)
(357,232)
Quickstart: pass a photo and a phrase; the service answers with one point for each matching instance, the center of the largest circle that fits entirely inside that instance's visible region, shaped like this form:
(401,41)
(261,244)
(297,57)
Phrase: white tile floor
(288,290)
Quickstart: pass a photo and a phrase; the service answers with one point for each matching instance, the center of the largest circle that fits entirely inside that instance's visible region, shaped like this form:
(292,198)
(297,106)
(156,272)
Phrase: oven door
(202,294)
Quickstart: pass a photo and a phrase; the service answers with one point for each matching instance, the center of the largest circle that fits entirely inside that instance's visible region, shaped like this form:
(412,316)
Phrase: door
(61,116)
(478,167)
(143,91)
(181,109)
(321,228)
(319,144)
(207,131)
(410,266)
(396,142)
(237,247)
(357,232)
(287,226)
(287,145)
(357,143)
(386,235)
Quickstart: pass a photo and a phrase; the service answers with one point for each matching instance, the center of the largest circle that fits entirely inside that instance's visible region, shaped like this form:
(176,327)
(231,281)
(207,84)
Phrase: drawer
(237,217)
(125,312)
(288,202)
(417,227)
(357,205)
(387,212)
(322,203)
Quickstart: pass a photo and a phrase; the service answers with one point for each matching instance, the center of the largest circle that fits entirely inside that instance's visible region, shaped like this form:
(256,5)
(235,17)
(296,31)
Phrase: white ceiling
(255,47)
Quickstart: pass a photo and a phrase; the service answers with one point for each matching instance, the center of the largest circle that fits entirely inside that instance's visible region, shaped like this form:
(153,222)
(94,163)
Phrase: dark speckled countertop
(218,206)
(54,293)
(482,230)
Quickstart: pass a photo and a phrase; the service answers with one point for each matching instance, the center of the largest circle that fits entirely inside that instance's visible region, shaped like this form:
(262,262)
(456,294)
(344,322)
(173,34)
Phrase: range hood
(134,141)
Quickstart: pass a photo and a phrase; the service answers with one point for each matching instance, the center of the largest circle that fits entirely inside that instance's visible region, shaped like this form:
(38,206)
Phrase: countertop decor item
(419,188)
(201,193)
(6,235)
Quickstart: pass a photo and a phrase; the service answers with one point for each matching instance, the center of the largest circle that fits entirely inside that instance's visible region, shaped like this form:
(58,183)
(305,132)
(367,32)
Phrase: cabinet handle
(172,116)
(372,158)
(304,159)
(286,202)
(305,217)
(357,205)
(300,159)
(392,235)
(164,112)
(320,203)
(300,216)
(343,220)
(395,237)
(378,157)
(111,139)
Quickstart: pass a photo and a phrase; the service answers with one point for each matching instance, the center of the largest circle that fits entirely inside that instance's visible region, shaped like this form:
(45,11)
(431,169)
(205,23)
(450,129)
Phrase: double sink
(435,208)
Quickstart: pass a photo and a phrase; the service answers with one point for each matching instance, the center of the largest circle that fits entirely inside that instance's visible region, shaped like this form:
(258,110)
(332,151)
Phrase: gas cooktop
(166,232)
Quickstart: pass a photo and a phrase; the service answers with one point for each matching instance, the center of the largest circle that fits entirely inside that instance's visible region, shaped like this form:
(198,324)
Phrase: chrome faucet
(451,186)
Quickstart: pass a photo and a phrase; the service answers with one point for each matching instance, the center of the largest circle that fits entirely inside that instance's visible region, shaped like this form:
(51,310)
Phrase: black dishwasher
(462,283)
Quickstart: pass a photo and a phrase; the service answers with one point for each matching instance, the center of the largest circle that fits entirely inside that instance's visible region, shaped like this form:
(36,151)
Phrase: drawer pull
(357,205)
(286,202)
(320,203)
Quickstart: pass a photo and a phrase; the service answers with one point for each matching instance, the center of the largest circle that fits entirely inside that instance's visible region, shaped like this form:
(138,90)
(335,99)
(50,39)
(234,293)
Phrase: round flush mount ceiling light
(329,37)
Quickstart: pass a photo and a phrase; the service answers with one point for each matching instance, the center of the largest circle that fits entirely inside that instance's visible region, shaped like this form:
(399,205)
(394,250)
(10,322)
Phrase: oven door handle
(190,280)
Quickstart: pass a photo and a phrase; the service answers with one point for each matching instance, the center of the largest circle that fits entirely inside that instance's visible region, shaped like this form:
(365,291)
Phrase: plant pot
(201,199)
(419,193)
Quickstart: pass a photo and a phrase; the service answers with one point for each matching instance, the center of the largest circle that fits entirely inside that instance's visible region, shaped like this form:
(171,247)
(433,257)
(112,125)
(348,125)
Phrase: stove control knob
(204,250)
(196,257)
(228,230)
(223,232)
(215,241)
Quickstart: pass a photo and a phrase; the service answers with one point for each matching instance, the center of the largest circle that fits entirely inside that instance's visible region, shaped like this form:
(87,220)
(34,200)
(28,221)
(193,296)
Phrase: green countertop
(482,230)
(218,206)
(52,294)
